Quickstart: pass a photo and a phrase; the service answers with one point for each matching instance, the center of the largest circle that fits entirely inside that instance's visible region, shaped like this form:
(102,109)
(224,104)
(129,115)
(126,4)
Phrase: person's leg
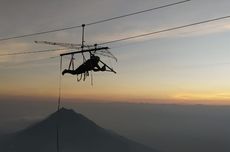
(69,71)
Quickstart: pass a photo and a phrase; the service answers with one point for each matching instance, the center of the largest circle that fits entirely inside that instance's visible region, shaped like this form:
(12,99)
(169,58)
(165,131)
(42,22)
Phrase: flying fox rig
(92,64)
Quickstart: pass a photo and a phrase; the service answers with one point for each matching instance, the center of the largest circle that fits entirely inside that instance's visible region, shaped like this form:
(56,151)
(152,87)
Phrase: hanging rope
(79,78)
(86,74)
(58,108)
(91,78)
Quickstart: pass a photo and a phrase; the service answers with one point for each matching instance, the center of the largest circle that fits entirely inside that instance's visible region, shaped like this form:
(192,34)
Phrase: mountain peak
(70,118)
(66,111)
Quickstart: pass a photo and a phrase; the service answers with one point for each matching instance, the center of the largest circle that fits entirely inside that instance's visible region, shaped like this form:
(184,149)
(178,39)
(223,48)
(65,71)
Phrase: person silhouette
(88,65)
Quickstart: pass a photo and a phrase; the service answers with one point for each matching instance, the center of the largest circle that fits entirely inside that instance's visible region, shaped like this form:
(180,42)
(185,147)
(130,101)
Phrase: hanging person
(88,65)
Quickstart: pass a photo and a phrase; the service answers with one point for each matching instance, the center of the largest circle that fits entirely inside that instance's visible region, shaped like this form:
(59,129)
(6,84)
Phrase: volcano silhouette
(77,134)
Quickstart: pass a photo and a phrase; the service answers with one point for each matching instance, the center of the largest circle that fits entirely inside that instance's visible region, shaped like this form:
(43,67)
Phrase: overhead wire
(164,30)
(135,13)
(92,23)
(38,33)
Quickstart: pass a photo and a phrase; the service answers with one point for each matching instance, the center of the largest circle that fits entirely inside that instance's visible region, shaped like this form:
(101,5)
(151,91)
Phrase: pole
(83,41)
(58,108)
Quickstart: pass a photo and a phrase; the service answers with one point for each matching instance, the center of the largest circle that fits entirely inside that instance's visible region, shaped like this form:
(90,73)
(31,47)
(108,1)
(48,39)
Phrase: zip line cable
(165,30)
(135,13)
(92,23)
(133,37)
(37,33)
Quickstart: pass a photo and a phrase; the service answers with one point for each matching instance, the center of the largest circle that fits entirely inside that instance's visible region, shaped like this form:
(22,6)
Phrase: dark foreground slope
(77,133)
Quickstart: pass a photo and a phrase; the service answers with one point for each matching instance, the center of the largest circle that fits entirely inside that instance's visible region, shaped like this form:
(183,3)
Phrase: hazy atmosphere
(170,92)
(170,128)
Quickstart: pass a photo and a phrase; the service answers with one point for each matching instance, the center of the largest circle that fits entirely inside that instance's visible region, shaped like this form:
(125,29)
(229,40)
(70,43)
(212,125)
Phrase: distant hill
(77,134)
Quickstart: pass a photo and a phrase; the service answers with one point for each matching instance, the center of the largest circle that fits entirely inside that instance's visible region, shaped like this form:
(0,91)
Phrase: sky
(186,66)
